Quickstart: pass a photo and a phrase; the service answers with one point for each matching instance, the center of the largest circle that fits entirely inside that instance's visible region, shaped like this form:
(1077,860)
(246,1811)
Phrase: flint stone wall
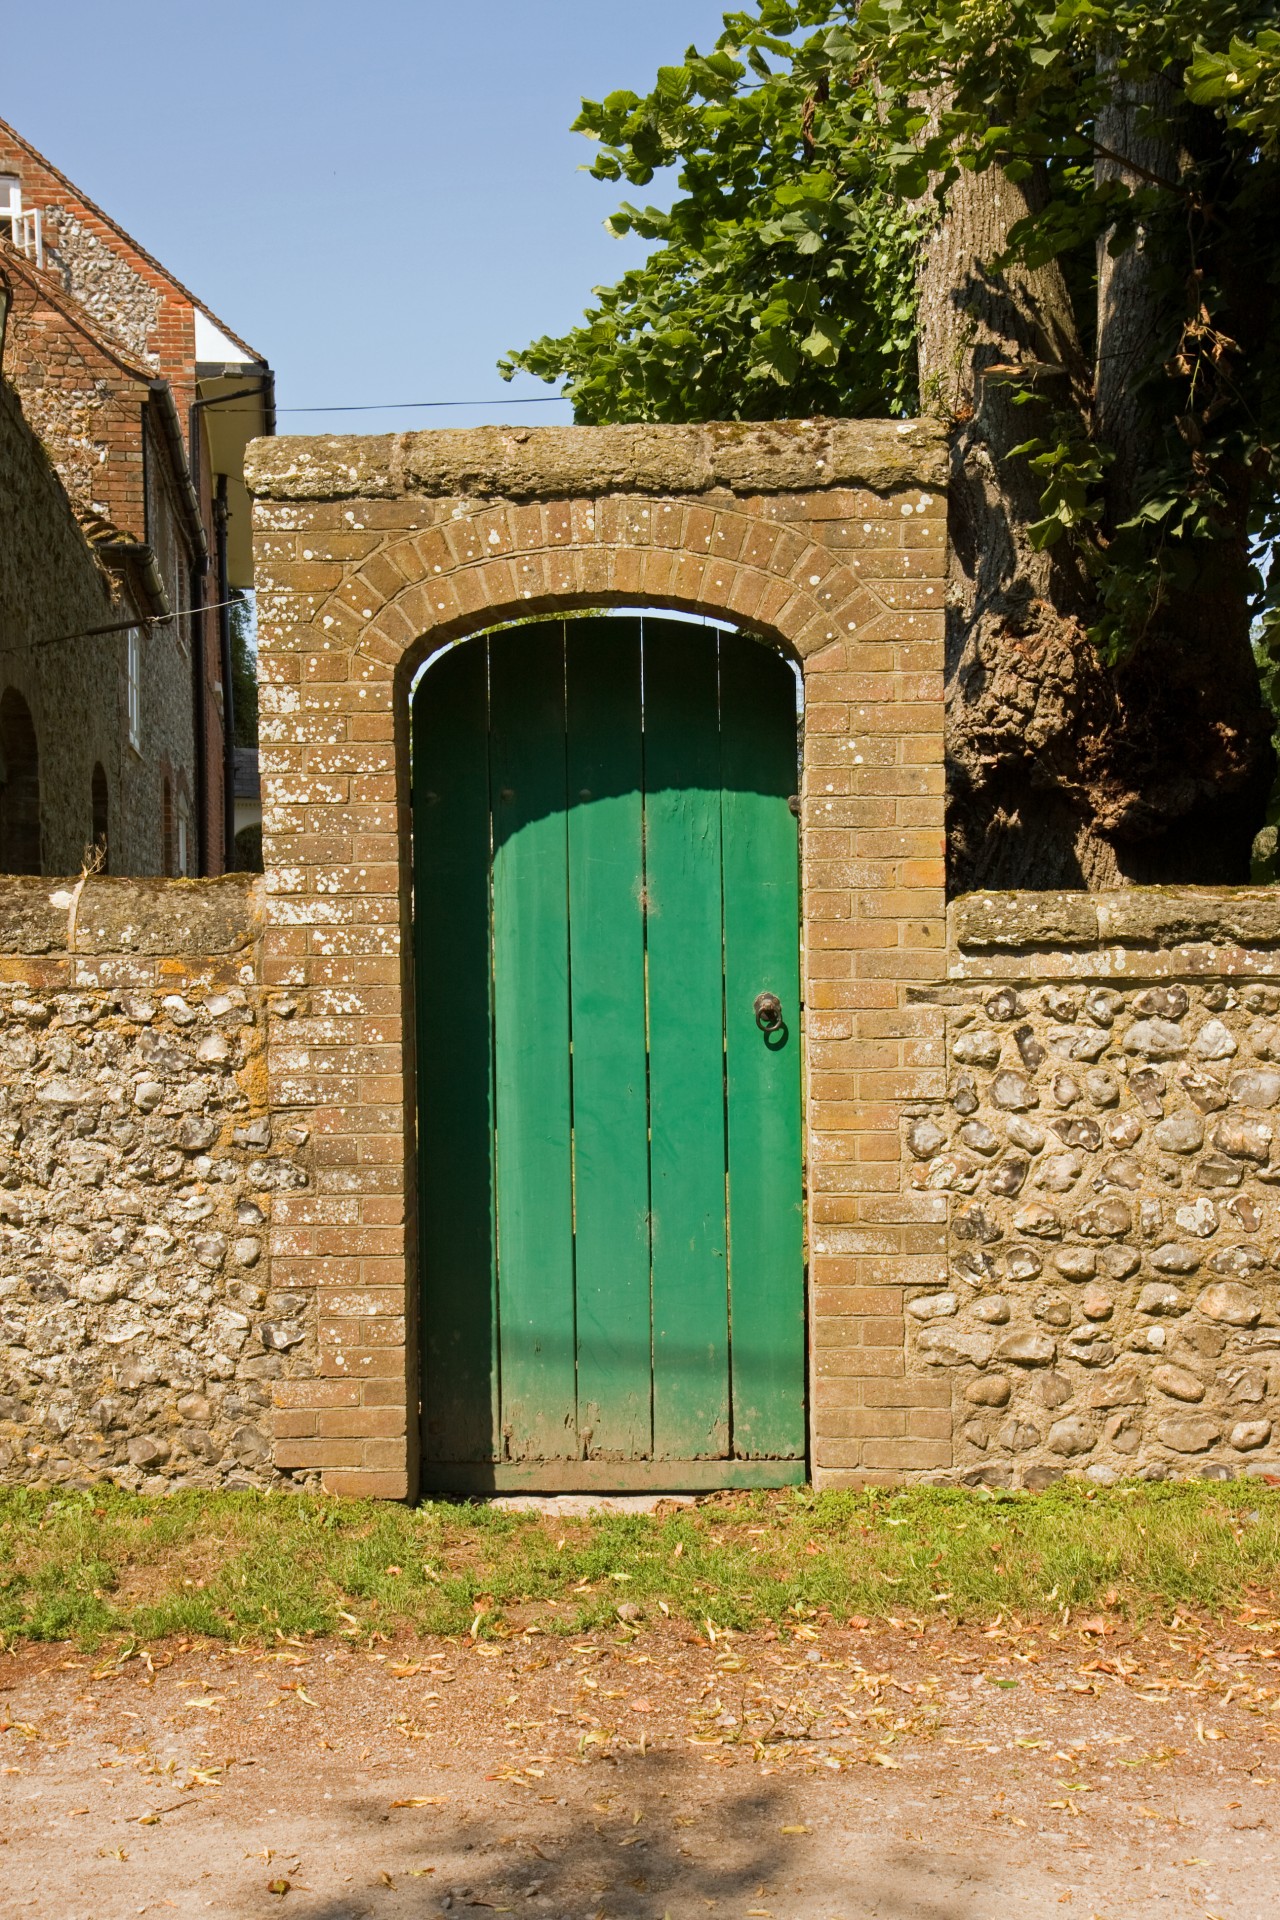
(139,1335)
(1105,1299)
(1110,1143)
(1043,1172)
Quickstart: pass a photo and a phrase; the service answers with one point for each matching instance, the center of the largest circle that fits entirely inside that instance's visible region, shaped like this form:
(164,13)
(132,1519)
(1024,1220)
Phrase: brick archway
(824,537)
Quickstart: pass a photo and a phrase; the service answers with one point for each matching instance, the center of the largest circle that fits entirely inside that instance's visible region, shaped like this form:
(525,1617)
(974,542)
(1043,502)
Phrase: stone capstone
(519,463)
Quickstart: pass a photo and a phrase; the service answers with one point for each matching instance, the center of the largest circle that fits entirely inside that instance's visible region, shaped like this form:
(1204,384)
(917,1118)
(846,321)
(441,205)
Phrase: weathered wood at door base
(624,1476)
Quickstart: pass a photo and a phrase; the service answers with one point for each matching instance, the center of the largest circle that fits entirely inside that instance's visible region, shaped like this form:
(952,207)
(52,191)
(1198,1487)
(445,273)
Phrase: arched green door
(610,1183)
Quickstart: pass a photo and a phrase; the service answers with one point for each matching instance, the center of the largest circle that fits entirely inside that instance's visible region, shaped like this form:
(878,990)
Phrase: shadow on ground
(692,1851)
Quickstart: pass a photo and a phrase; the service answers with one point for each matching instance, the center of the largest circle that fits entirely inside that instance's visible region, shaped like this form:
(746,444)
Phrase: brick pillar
(825,538)
(875,928)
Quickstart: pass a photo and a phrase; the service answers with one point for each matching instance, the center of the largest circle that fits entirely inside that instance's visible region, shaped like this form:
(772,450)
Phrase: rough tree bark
(1128,307)
(1062,772)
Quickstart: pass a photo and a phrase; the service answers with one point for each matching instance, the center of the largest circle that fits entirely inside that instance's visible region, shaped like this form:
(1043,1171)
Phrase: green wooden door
(609,1182)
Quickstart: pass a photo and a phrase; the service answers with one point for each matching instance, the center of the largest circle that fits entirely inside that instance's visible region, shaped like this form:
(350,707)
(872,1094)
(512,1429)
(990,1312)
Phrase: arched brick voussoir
(509,582)
(595,546)
(755,602)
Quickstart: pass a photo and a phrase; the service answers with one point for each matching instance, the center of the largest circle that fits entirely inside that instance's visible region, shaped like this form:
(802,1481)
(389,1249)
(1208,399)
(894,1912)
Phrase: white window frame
(133,686)
(25,224)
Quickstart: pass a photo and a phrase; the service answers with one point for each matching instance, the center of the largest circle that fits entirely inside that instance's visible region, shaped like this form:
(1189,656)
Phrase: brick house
(124,411)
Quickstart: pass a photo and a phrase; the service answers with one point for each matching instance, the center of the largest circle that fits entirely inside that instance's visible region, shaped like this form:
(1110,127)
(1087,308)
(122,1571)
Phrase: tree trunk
(1063,773)
(1129,318)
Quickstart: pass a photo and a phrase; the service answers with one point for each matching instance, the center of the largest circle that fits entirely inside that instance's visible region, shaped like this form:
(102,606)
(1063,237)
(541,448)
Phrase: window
(22,227)
(133,688)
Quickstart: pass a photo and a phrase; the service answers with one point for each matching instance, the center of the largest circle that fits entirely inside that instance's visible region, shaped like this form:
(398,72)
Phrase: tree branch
(1145,173)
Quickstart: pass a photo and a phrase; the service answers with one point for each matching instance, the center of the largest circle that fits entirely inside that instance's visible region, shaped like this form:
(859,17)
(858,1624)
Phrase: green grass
(99,1564)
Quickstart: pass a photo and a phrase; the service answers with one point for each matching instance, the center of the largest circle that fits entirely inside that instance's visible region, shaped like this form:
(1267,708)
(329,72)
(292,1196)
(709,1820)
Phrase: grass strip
(92,1565)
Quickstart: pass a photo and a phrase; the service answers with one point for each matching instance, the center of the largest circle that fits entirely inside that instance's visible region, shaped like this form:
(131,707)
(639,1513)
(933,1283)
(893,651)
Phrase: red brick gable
(149,312)
(81,396)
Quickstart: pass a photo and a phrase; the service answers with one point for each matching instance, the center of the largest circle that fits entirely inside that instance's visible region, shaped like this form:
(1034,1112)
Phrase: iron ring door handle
(768,1012)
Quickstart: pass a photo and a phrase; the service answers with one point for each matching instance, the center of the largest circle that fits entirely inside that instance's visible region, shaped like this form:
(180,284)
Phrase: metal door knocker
(768,1011)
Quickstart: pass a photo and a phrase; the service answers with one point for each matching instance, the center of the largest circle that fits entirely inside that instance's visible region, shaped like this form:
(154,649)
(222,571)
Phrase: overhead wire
(415,406)
(387,406)
(147,620)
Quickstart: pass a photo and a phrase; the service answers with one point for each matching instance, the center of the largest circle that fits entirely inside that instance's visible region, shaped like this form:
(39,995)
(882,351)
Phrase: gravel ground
(936,1773)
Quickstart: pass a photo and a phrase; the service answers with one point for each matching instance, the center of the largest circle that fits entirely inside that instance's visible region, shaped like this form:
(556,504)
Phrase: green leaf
(822,343)
(674,83)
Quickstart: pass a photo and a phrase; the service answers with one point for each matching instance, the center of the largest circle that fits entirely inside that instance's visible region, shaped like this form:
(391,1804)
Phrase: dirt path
(940,1775)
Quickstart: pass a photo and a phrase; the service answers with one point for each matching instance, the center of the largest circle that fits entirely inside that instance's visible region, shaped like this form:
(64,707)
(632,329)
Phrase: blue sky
(382,197)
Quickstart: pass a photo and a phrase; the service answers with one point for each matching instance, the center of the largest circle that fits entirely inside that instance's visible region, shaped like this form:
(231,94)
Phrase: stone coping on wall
(522,463)
(101,914)
(1141,932)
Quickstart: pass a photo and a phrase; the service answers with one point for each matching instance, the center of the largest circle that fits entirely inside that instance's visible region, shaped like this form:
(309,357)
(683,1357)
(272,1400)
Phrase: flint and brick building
(125,407)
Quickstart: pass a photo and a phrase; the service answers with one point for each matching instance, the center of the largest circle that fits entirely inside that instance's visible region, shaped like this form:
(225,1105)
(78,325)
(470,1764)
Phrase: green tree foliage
(818,142)
(1243,82)
(248,849)
(782,279)
(244,673)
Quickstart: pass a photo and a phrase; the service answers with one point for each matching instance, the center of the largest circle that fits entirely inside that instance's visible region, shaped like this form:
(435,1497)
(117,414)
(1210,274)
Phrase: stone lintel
(1156,917)
(515,463)
(142,916)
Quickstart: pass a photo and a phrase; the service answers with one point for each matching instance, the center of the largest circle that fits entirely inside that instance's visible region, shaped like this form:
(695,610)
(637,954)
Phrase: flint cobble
(1111,1155)
(140,1337)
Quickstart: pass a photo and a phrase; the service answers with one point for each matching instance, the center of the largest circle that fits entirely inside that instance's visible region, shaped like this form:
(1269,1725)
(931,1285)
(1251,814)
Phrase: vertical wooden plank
(686,1041)
(531,1034)
(762,954)
(454,1052)
(610,1093)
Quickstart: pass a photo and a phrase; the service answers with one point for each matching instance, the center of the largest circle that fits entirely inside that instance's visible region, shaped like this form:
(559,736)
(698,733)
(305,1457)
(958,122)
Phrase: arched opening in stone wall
(607,955)
(101,826)
(19,786)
